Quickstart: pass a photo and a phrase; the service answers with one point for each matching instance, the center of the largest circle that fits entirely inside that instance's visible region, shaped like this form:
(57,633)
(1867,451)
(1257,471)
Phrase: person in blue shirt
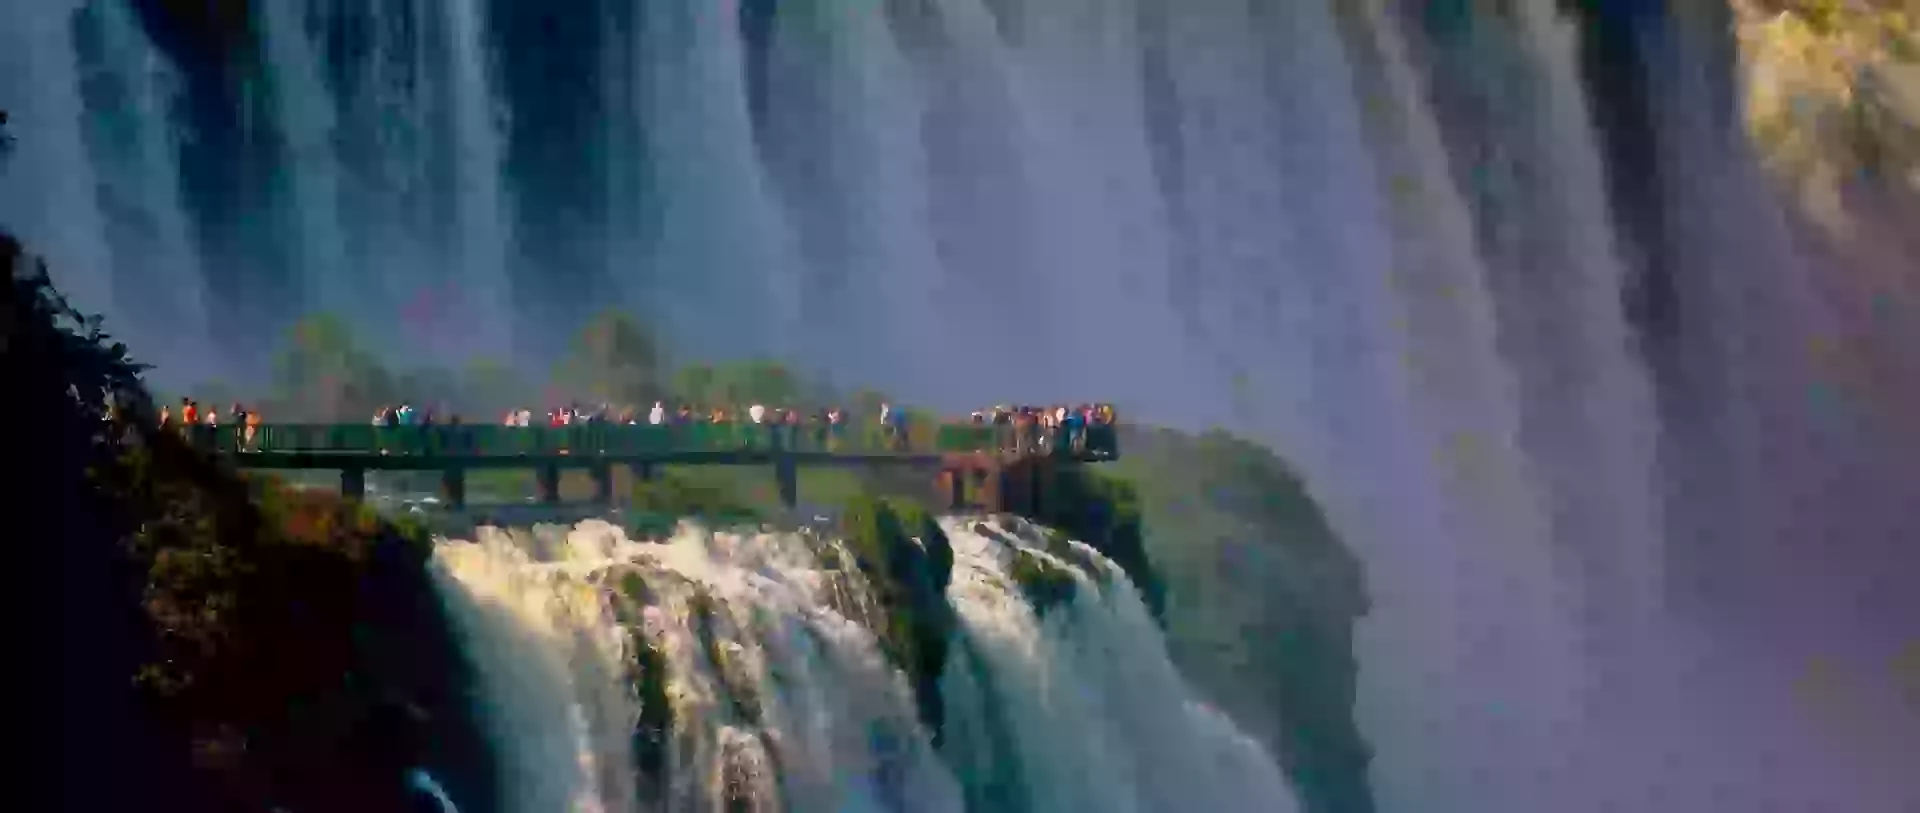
(1076,426)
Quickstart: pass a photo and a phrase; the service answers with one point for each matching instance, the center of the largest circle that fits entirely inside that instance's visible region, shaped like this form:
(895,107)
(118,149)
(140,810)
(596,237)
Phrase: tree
(324,375)
(739,383)
(613,359)
(490,388)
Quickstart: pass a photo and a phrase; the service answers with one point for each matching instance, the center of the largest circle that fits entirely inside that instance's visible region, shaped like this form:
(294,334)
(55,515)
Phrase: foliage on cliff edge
(1261,598)
(292,653)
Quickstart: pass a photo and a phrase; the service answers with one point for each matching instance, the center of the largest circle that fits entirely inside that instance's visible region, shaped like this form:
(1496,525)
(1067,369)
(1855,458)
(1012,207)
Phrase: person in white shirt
(757,412)
(657,415)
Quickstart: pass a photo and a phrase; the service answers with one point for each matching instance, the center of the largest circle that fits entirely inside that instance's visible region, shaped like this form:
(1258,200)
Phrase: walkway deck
(961,453)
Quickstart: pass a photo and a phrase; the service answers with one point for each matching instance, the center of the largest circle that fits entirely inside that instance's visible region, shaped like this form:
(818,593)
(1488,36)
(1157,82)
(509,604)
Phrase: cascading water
(131,91)
(394,168)
(1377,238)
(1077,702)
(743,670)
(480,243)
(304,112)
(48,195)
(705,200)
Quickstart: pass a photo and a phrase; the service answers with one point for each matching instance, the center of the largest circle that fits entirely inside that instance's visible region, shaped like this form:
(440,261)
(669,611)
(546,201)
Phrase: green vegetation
(1261,598)
(647,672)
(1103,510)
(1044,583)
(908,561)
(289,650)
(721,498)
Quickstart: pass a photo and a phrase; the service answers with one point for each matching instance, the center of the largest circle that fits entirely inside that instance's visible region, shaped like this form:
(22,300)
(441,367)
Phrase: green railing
(626,440)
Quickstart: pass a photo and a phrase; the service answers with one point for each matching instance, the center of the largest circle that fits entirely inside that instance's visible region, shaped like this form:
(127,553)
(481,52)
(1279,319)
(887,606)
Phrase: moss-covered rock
(647,672)
(1046,584)
(1104,511)
(1262,598)
(907,561)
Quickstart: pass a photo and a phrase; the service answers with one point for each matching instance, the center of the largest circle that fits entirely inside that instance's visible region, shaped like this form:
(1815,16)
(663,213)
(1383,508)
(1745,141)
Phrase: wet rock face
(908,561)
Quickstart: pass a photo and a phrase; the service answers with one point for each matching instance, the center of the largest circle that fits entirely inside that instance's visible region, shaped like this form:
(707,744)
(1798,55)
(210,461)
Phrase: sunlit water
(1372,234)
(781,699)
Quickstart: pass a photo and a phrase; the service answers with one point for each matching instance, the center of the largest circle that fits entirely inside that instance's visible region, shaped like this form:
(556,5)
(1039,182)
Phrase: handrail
(489,440)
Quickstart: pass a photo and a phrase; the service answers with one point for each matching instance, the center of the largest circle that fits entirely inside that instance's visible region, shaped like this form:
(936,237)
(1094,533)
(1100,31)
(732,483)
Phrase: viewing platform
(972,460)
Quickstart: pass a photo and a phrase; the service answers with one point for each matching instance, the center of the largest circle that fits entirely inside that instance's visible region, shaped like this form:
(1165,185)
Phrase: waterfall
(759,656)
(135,150)
(481,239)
(394,173)
(683,102)
(1095,715)
(48,196)
(743,669)
(305,118)
(1378,238)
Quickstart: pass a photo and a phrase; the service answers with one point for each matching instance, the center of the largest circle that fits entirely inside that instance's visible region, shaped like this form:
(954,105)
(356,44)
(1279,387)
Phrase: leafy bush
(291,651)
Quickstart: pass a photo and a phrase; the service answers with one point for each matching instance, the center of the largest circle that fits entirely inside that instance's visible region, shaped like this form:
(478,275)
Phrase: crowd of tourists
(1079,429)
(192,414)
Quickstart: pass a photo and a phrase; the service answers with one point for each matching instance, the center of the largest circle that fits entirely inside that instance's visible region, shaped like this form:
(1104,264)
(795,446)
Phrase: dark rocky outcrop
(908,561)
(222,644)
(78,634)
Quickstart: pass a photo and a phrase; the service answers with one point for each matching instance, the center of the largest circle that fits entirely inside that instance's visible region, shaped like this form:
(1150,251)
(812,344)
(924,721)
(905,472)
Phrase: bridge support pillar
(547,477)
(1012,491)
(453,487)
(353,484)
(603,483)
(788,474)
(956,482)
(993,488)
(1018,487)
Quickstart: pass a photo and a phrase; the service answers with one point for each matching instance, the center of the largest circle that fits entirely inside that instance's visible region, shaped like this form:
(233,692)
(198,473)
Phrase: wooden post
(353,484)
(602,483)
(548,476)
(453,487)
(788,475)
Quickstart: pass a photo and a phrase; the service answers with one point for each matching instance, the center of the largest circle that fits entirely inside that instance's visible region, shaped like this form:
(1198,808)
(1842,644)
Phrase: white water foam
(782,699)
